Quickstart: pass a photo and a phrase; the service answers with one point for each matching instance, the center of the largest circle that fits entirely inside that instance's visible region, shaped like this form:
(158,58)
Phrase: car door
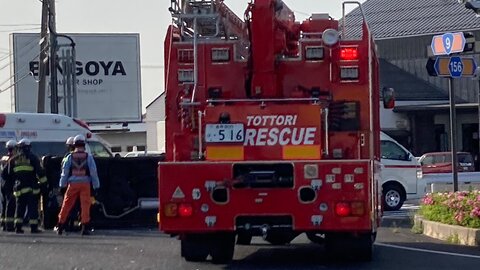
(399,165)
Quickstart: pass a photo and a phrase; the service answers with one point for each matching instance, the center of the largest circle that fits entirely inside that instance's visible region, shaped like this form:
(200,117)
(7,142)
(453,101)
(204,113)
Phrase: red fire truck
(272,130)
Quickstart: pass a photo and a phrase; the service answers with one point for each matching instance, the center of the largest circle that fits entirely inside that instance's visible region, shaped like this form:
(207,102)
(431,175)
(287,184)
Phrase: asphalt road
(396,248)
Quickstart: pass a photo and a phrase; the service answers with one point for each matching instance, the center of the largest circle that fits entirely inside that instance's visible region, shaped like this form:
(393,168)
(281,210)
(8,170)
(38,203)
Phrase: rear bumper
(194,184)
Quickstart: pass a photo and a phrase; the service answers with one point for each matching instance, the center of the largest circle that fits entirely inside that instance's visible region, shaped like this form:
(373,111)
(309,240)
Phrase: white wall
(124,139)
(390,120)
(155,120)
(152,136)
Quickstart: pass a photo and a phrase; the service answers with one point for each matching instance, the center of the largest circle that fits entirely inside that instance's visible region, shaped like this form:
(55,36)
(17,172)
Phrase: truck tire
(364,247)
(393,197)
(316,237)
(222,248)
(194,248)
(349,246)
(280,238)
(244,239)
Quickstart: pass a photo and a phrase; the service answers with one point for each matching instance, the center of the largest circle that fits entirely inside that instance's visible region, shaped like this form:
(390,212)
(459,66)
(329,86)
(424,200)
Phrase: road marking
(410,207)
(429,251)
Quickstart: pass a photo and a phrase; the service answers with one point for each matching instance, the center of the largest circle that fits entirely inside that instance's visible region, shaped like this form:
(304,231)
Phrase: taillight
(170,210)
(3,119)
(358,208)
(343,209)
(185,210)
(349,53)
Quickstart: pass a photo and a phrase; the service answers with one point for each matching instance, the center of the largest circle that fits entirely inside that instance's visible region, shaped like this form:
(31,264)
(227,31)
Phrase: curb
(457,234)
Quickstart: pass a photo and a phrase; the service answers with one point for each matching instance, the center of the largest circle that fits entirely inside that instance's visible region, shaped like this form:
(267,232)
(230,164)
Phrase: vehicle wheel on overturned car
(393,197)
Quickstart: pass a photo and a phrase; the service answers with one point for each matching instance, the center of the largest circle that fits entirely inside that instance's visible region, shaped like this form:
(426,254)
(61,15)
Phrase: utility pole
(43,59)
(53,58)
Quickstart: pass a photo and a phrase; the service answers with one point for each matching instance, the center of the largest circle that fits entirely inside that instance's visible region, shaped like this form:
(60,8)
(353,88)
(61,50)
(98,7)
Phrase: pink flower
(459,216)
(428,200)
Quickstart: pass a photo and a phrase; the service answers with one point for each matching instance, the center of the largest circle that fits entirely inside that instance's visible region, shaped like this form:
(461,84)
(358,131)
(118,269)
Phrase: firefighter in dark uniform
(8,201)
(24,168)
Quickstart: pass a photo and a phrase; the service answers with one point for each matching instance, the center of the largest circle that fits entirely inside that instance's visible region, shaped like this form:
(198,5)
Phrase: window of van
(59,149)
(99,150)
(49,148)
(42,148)
(390,150)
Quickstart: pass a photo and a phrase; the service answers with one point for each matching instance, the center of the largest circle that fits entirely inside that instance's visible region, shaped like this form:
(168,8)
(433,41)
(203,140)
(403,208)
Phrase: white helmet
(69,141)
(24,142)
(79,140)
(10,144)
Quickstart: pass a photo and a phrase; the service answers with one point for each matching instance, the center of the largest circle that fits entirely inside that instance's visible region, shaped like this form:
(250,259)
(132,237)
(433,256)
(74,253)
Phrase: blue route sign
(455,66)
(448,43)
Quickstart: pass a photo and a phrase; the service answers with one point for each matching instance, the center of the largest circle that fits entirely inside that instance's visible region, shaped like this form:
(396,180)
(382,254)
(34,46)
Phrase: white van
(48,133)
(401,174)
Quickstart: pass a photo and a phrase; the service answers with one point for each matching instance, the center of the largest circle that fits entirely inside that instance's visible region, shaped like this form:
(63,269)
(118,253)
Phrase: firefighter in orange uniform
(78,172)
(8,201)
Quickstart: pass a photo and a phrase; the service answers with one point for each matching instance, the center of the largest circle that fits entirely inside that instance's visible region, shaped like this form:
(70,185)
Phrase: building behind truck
(272,130)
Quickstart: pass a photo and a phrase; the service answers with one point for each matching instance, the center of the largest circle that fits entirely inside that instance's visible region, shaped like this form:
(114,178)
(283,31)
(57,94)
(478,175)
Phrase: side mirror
(388,94)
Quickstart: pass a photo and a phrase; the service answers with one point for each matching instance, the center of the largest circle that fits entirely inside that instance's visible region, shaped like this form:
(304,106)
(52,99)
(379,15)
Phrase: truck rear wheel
(316,238)
(244,239)
(343,245)
(393,197)
(222,248)
(194,248)
(280,238)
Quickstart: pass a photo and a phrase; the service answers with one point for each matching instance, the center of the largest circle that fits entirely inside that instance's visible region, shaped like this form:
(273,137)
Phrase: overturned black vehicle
(128,194)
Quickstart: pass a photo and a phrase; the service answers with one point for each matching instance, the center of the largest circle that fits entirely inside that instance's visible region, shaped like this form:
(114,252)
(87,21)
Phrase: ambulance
(401,174)
(48,133)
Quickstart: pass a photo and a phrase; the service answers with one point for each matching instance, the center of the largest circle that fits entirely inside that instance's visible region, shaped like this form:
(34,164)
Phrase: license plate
(224,133)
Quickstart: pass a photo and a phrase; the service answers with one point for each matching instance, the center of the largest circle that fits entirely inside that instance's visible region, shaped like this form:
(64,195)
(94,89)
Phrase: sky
(149,18)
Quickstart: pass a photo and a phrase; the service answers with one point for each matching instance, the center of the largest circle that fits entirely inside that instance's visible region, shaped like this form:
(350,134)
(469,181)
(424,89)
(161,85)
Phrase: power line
(13,84)
(21,29)
(21,24)
(27,44)
(18,70)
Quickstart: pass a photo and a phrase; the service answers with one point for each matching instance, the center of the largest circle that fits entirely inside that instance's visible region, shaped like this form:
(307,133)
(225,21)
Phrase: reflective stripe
(33,221)
(10,219)
(36,191)
(18,220)
(22,191)
(24,168)
(42,180)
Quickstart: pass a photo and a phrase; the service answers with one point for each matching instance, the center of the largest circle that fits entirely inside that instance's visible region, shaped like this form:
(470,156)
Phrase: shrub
(455,208)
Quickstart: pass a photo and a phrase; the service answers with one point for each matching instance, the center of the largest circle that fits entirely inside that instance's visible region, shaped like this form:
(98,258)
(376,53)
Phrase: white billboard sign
(107,76)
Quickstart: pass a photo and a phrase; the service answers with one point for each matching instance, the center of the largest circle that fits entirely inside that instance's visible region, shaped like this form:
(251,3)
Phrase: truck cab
(401,174)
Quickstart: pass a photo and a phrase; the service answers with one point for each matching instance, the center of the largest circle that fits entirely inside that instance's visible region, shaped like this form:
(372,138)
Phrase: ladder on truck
(208,18)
